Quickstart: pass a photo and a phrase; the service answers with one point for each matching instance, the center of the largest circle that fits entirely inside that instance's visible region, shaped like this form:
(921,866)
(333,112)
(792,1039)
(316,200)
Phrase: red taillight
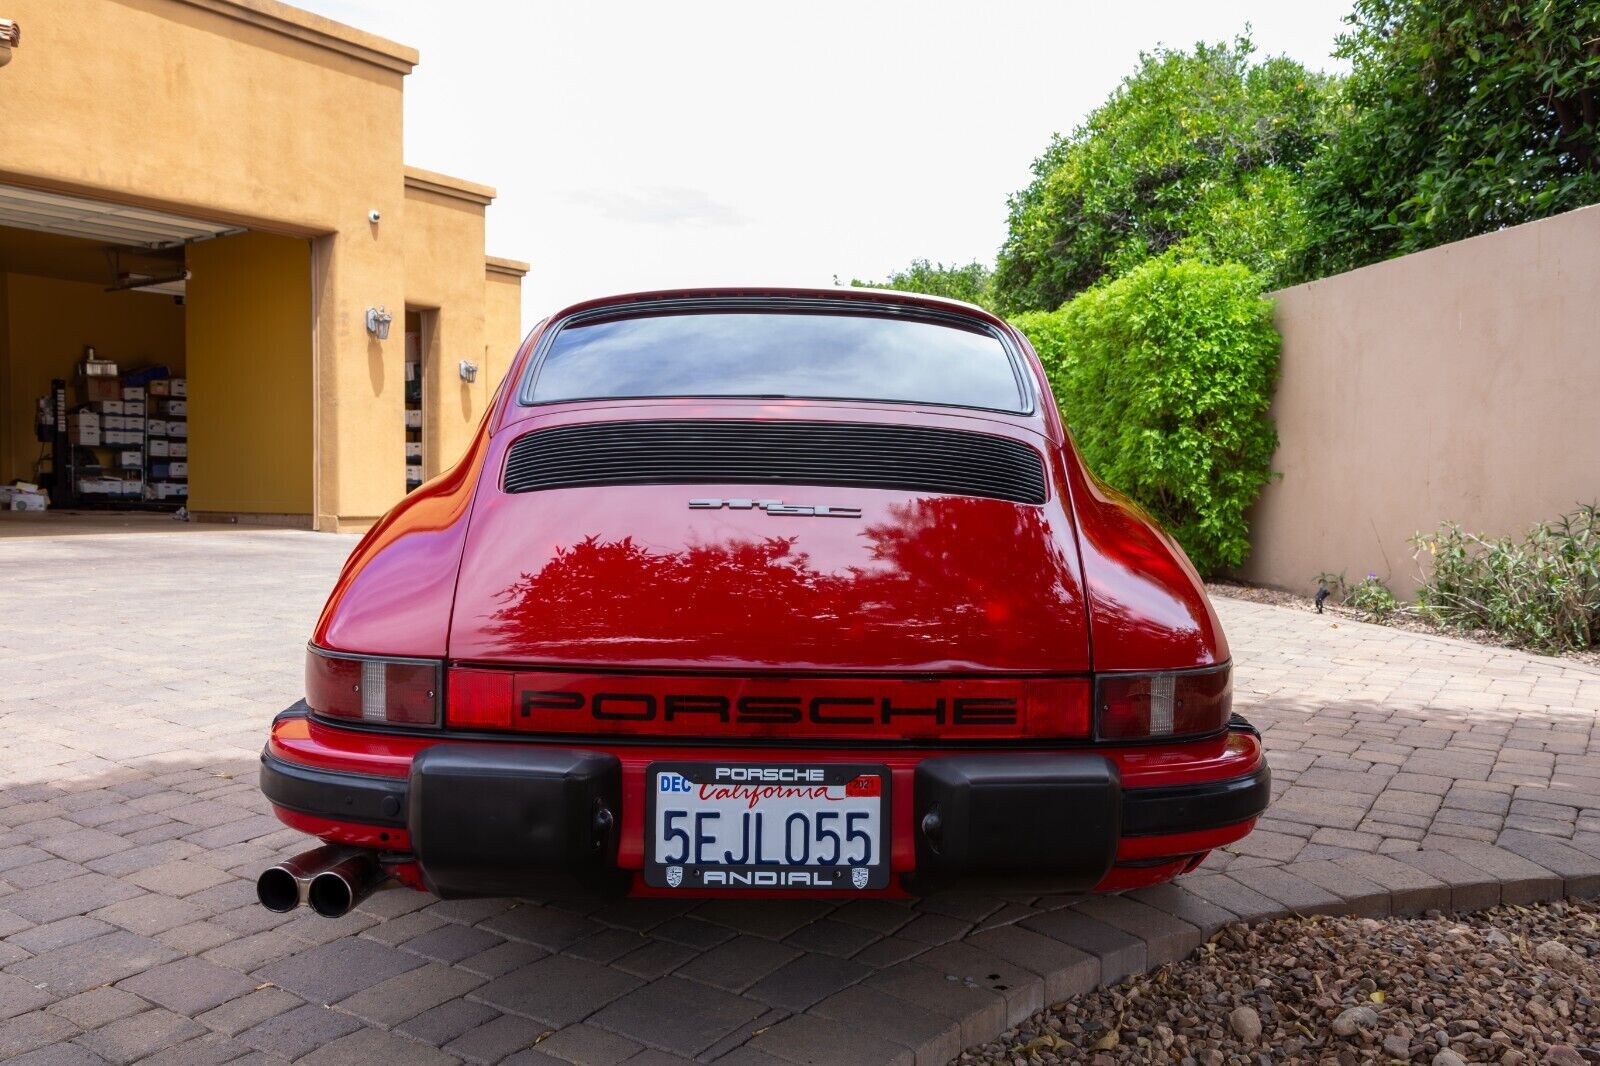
(1178,703)
(373,690)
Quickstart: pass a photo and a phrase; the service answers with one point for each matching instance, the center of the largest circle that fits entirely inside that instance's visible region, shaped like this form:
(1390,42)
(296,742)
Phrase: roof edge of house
(313,29)
(495,264)
(445,185)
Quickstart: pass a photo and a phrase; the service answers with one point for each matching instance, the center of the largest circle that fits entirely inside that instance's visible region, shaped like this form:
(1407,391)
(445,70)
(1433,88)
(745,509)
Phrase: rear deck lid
(811,542)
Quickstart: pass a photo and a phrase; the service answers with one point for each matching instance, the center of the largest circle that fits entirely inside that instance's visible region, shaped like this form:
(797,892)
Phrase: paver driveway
(137,674)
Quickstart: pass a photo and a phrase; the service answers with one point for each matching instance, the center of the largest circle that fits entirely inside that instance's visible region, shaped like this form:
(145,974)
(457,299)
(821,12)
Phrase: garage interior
(151,361)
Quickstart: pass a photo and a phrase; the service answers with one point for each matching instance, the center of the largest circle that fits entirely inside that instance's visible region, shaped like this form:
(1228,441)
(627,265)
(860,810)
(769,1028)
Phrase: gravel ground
(1401,619)
(1514,985)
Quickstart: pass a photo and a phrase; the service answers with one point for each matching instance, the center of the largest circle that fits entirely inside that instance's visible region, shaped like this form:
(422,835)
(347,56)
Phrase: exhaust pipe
(338,889)
(285,886)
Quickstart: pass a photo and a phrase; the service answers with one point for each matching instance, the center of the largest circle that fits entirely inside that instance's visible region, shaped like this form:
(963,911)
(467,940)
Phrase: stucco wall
(503,327)
(444,272)
(1459,383)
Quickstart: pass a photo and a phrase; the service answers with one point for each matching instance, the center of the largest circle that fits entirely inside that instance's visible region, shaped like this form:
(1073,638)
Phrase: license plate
(761,825)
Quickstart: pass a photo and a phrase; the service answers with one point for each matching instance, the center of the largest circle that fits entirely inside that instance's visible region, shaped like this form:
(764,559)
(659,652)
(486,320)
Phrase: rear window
(823,355)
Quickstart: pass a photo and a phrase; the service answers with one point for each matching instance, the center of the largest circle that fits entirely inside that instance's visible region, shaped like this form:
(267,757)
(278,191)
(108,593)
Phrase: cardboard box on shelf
(84,419)
(180,386)
(177,429)
(166,490)
(179,469)
(178,449)
(414,449)
(158,446)
(114,437)
(159,387)
(133,392)
(113,422)
(83,436)
(175,408)
(99,486)
(133,407)
(413,471)
(98,390)
(159,470)
(109,407)
(413,419)
(129,459)
(155,427)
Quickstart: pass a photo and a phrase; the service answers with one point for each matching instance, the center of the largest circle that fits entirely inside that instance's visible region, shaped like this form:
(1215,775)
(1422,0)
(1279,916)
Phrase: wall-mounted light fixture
(378,322)
(469,371)
(10,37)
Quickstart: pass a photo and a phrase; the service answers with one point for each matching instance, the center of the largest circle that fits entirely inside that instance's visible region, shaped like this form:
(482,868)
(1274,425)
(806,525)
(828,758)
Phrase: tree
(971,283)
(1165,377)
(1199,151)
(1459,117)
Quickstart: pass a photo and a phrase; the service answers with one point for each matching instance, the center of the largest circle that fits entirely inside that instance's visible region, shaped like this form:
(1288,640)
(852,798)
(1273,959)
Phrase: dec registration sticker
(761,825)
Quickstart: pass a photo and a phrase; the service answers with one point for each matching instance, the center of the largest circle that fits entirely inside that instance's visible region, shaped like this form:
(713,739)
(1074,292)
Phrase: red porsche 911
(763,592)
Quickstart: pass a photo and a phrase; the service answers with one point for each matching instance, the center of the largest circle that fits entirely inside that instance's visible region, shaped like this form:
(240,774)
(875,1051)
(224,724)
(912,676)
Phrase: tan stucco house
(218,187)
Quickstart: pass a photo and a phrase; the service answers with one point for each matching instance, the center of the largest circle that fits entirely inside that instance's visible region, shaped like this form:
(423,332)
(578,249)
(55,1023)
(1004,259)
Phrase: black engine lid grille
(711,451)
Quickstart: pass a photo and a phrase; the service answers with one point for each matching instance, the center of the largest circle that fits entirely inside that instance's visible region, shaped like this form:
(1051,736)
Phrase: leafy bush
(1165,376)
(972,283)
(1372,598)
(1542,591)
(1459,117)
(1200,151)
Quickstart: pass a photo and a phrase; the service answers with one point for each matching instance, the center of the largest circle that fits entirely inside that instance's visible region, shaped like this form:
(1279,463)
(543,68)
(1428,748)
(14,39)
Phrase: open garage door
(151,361)
(250,378)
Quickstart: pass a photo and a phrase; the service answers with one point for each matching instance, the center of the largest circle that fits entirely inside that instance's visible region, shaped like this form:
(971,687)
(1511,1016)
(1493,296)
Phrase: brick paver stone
(332,972)
(931,1038)
(806,1038)
(676,1015)
(1120,953)
(1411,891)
(799,983)
(1521,881)
(588,1046)
(189,986)
(1579,871)
(1022,989)
(556,990)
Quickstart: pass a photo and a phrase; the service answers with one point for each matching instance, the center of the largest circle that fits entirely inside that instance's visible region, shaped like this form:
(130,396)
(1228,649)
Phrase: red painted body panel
(629,578)
(632,577)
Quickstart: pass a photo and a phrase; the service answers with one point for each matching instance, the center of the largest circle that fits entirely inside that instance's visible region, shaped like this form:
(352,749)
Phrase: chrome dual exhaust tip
(337,890)
(332,879)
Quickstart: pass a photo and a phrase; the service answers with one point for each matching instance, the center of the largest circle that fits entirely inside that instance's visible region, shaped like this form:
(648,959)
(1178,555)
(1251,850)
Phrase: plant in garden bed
(1542,591)
(1373,600)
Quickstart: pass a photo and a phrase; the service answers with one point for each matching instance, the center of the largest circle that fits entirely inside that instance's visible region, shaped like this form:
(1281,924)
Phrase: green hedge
(1164,377)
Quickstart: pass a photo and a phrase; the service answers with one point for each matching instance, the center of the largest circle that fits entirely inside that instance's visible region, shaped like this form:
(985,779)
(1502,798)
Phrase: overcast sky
(660,144)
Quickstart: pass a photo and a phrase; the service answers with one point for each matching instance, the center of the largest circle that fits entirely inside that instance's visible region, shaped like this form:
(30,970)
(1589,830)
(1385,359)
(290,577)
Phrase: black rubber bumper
(521,819)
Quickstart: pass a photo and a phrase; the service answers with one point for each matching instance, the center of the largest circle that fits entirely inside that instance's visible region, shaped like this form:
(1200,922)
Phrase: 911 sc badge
(776,507)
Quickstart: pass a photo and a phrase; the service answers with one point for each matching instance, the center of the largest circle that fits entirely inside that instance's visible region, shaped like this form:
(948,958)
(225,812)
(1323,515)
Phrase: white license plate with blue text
(735,825)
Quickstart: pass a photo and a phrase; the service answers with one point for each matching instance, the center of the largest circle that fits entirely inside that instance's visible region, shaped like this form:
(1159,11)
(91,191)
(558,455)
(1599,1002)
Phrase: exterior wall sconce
(378,322)
(469,371)
(10,37)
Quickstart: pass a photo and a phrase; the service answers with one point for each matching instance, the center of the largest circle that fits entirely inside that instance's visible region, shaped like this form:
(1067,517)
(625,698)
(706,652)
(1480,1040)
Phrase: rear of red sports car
(766,592)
